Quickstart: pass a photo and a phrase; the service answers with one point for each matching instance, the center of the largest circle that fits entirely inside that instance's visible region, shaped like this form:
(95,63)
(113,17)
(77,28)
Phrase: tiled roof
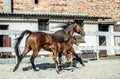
(50,16)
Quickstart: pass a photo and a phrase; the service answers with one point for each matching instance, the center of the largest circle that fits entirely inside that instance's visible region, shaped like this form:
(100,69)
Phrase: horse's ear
(47,23)
(82,24)
(66,25)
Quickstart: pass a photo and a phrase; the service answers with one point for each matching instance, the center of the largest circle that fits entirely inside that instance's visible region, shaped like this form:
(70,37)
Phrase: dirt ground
(97,69)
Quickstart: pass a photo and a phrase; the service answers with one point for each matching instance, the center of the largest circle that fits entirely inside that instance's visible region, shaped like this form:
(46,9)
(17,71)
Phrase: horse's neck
(69,30)
(69,42)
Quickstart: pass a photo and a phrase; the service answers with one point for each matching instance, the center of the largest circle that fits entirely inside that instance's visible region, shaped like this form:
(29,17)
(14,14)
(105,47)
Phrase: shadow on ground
(45,66)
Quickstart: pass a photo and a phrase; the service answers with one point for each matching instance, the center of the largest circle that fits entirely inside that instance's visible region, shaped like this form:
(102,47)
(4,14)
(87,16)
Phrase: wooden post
(111,41)
(97,46)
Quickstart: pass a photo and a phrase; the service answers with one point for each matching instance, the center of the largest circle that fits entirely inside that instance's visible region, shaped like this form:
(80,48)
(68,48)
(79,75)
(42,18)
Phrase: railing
(95,48)
(14,33)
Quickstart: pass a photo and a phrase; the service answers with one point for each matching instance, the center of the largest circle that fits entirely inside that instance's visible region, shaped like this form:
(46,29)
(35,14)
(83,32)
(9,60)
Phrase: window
(103,27)
(36,2)
(43,24)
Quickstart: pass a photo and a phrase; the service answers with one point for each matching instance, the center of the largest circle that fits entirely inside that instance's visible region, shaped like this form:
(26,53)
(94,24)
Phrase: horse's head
(72,40)
(78,28)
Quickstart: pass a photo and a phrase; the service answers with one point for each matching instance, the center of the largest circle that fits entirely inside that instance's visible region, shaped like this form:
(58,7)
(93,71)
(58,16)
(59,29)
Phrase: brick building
(91,7)
(101,15)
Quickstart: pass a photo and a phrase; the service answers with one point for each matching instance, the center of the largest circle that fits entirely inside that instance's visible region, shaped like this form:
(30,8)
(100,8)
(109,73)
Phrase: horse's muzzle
(83,34)
(77,44)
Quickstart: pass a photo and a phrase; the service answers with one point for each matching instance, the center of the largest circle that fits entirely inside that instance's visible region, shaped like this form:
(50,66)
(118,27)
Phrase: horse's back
(38,39)
(41,36)
(59,32)
(36,35)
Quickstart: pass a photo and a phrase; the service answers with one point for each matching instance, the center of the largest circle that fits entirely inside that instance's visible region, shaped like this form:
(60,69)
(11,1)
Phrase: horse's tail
(18,40)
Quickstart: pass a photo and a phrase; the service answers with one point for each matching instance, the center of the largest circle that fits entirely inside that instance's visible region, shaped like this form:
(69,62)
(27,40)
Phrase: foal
(65,48)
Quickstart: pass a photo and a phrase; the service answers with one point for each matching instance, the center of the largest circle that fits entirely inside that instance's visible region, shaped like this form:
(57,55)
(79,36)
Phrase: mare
(68,32)
(35,41)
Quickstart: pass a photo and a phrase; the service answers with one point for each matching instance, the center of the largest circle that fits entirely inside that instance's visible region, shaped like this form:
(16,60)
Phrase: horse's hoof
(72,70)
(85,61)
(14,70)
(83,64)
(36,69)
(60,68)
(58,72)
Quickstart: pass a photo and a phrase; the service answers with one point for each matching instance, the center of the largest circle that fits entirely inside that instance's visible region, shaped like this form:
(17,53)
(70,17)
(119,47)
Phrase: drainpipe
(8,6)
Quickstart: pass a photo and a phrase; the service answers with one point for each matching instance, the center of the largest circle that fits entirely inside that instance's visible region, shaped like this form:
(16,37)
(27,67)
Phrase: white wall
(21,25)
(55,26)
(90,40)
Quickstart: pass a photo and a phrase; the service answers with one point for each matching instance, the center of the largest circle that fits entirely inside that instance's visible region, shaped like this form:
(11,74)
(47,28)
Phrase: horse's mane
(67,25)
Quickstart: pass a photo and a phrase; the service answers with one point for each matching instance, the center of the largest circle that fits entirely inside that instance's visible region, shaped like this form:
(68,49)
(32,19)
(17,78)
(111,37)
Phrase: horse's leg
(71,60)
(77,57)
(56,62)
(60,60)
(34,55)
(67,58)
(26,50)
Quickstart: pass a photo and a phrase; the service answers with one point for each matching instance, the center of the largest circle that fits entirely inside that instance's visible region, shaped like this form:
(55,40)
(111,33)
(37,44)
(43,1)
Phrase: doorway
(117,40)
(5,41)
(102,39)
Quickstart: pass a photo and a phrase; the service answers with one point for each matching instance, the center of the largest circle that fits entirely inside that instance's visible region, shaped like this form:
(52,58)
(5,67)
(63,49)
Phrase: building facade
(91,7)
(97,16)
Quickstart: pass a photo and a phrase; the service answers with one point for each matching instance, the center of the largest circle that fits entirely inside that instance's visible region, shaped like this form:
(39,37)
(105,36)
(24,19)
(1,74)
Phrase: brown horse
(63,47)
(68,31)
(35,41)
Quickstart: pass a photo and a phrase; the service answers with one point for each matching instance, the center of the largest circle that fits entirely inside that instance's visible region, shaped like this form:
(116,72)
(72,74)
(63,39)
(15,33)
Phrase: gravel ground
(98,69)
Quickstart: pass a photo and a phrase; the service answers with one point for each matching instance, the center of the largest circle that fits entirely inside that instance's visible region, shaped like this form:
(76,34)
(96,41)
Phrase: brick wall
(41,6)
(1,5)
(97,7)
(30,6)
(91,7)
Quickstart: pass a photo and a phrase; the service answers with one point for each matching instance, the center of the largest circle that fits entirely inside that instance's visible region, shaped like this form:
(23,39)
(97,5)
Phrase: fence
(109,35)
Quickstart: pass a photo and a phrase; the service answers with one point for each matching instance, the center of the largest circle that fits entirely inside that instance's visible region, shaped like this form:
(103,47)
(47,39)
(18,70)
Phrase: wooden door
(5,41)
(102,42)
(117,43)
(117,39)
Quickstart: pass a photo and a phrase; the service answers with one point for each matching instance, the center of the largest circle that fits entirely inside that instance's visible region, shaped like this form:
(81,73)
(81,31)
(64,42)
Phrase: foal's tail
(18,40)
